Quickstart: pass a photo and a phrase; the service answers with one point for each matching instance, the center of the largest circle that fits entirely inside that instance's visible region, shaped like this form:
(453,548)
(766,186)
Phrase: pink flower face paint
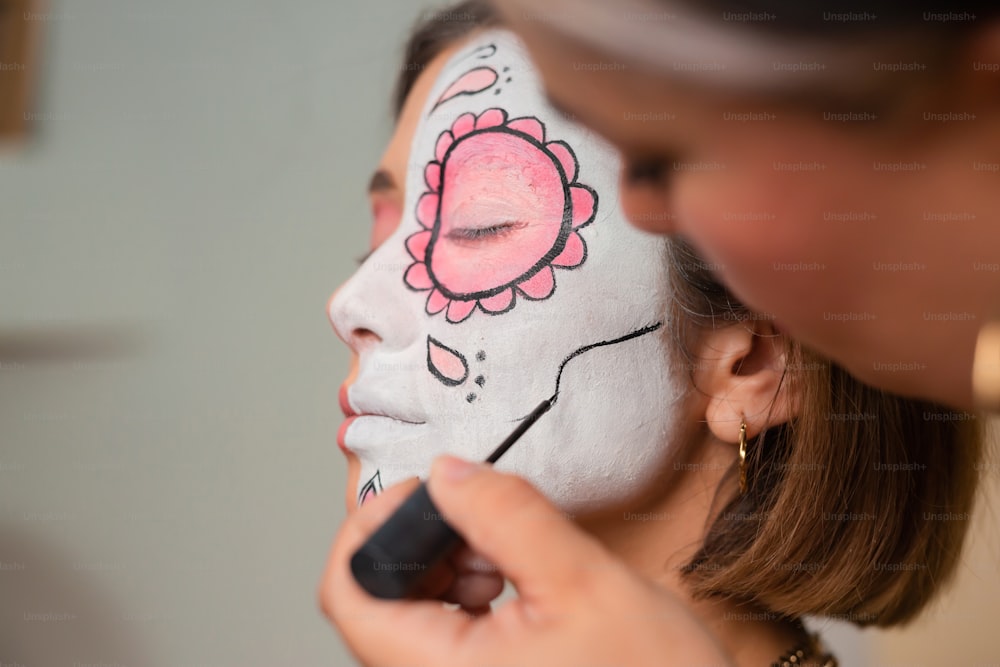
(513,271)
(501,198)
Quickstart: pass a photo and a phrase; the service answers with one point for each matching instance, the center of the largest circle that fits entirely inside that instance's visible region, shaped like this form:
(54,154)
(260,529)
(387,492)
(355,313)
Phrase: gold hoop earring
(743,457)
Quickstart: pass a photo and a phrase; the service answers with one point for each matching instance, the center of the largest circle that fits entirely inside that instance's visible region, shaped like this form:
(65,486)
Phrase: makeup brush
(406,548)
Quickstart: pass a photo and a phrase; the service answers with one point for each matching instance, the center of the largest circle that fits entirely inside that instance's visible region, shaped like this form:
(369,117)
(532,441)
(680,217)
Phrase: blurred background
(188,193)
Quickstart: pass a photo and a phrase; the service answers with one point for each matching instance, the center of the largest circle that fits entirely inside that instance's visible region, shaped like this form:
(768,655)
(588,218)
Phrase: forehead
(492,70)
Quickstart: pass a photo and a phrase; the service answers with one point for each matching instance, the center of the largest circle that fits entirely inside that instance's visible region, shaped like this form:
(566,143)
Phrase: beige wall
(964,627)
(194,184)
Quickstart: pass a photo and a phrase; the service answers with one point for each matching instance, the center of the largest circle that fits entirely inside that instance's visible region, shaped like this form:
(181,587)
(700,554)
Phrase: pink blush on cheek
(492,178)
(385,220)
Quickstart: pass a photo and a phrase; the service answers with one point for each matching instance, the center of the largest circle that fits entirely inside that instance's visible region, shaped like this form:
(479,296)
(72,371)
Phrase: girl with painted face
(512,277)
(688,437)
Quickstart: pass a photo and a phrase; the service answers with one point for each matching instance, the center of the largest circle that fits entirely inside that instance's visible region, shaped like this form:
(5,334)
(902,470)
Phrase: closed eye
(481,233)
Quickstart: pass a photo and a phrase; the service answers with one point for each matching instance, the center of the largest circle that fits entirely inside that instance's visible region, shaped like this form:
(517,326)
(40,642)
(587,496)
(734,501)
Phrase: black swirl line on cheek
(604,343)
(587,348)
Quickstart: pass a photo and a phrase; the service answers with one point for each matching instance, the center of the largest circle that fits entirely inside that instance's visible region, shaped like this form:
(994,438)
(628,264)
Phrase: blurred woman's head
(817,156)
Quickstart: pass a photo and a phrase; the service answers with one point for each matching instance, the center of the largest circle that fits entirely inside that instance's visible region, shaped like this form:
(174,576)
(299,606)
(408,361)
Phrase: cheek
(705,204)
(760,221)
(386,220)
(647,206)
(758,203)
(743,226)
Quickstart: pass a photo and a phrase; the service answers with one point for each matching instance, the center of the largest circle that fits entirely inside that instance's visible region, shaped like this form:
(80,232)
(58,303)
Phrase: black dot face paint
(405,549)
(450,367)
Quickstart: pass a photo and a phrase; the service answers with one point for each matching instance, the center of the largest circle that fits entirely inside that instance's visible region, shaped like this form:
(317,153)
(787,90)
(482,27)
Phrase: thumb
(510,523)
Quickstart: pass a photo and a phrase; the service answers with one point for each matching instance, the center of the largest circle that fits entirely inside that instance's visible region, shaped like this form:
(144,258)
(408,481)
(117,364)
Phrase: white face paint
(512,261)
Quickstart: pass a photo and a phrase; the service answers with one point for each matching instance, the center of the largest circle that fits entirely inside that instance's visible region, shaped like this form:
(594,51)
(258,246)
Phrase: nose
(352,321)
(373,309)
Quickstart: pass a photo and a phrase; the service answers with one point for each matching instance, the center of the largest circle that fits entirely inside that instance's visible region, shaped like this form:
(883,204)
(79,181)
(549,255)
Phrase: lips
(342,433)
(345,404)
(365,412)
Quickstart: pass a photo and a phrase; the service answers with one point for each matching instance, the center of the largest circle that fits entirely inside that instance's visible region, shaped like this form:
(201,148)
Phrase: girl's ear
(741,369)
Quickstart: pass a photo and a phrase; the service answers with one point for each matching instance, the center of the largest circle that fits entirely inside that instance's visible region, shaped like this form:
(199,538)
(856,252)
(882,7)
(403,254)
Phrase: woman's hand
(576,604)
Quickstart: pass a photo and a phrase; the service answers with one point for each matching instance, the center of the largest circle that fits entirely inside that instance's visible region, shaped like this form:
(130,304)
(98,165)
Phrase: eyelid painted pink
(485,169)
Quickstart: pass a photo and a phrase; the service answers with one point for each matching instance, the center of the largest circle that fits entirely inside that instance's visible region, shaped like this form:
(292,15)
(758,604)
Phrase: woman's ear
(741,370)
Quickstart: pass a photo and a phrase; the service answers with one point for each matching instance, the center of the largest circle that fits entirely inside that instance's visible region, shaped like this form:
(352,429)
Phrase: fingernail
(455,469)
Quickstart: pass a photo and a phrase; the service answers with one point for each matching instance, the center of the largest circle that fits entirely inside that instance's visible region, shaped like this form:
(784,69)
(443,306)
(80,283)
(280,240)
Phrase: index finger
(419,627)
(509,522)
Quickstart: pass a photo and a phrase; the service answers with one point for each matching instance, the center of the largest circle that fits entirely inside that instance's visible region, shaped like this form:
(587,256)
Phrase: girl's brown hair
(857,509)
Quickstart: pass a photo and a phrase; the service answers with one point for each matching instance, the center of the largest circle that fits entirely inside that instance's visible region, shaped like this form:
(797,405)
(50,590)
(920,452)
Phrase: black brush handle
(396,558)
(394,561)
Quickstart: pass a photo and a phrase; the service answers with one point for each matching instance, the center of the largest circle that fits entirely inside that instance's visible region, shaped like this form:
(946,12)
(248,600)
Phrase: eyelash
(479,233)
(465,234)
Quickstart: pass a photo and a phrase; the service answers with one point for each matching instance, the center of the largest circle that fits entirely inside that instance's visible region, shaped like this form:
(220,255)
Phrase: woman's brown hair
(432,34)
(857,509)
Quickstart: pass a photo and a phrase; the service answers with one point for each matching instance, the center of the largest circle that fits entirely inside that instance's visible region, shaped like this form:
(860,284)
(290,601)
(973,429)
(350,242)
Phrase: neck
(659,538)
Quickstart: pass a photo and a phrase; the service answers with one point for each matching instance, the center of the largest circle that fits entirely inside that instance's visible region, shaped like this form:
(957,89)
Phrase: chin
(351,492)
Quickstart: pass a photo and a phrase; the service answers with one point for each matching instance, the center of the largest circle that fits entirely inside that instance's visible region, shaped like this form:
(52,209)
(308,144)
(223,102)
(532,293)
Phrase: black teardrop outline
(443,379)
